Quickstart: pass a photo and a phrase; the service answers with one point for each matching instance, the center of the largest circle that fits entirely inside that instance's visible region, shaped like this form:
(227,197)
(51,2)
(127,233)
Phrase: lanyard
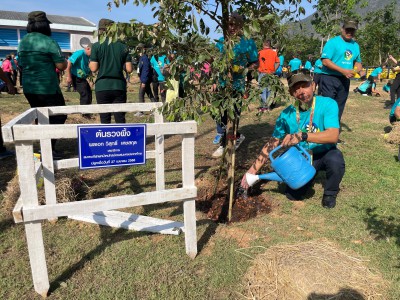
(297,105)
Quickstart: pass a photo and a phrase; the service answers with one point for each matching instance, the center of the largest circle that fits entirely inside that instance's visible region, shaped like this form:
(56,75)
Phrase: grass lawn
(87,261)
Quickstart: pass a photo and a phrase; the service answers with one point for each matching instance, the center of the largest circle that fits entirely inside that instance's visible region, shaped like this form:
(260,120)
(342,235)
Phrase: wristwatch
(304,136)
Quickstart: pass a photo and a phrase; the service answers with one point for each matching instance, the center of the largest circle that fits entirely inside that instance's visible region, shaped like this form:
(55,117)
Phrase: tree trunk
(231,143)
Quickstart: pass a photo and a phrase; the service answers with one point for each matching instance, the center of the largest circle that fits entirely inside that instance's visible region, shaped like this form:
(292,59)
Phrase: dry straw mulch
(311,270)
(68,187)
(393,137)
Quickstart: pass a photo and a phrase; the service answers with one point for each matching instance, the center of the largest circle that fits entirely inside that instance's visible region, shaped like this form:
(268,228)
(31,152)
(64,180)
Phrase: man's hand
(348,73)
(142,85)
(69,79)
(291,139)
(244,184)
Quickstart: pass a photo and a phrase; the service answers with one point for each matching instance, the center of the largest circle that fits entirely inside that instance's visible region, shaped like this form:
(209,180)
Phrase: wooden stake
(231,173)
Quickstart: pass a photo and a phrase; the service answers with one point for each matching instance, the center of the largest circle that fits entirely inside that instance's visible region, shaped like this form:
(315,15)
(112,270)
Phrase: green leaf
(202,26)
(194,22)
(256,26)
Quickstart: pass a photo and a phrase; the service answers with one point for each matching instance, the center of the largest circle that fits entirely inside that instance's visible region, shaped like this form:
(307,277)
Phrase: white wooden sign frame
(28,211)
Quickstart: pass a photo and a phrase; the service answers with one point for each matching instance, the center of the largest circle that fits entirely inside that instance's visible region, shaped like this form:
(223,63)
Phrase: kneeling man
(313,122)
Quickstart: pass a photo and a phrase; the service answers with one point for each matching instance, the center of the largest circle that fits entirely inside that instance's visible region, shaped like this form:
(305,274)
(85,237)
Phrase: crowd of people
(320,88)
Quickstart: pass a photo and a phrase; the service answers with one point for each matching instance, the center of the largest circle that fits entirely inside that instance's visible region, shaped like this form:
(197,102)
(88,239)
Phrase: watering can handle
(298,146)
(272,153)
(308,156)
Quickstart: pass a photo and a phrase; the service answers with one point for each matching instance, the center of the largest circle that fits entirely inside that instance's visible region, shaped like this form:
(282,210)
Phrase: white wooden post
(33,229)
(189,206)
(159,153)
(27,210)
(47,161)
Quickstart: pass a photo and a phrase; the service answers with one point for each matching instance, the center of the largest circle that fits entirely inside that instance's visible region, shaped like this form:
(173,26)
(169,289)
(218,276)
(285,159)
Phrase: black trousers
(156,86)
(316,79)
(145,90)
(73,84)
(36,100)
(335,87)
(110,97)
(159,88)
(84,90)
(333,163)
(395,89)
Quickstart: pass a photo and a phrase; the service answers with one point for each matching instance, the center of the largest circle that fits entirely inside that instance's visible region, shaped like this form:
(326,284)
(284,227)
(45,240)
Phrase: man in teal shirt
(313,122)
(377,72)
(295,65)
(394,115)
(158,63)
(341,59)
(78,65)
(308,65)
(317,73)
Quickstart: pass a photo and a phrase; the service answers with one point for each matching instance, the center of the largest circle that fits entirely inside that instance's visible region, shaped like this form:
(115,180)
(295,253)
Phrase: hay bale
(69,186)
(393,137)
(311,270)
(11,195)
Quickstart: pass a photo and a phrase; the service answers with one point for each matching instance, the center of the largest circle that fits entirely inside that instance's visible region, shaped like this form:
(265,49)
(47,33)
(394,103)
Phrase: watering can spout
(271,176)
(252,179)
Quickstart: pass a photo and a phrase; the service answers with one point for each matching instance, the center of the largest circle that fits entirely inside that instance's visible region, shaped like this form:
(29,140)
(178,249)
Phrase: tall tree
(380,36)
(180,25)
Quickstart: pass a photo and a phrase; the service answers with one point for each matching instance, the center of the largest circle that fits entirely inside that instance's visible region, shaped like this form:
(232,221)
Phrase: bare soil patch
(216,206)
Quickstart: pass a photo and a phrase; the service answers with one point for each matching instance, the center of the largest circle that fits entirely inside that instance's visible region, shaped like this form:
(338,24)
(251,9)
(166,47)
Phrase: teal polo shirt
(342,53)
(80,64)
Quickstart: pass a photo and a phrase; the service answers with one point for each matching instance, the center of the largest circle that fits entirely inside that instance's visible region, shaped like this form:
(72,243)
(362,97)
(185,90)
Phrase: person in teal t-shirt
(308,65)
(78,66)
(341,59)
(377,72)
(387,86)
(158,63)
(317,74)
(294,64)
(278,71)
(394,115)
(368,87)
(245,56)
(319,135)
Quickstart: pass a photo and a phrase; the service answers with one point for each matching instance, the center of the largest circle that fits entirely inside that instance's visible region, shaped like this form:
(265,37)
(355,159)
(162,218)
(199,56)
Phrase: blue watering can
(292,167)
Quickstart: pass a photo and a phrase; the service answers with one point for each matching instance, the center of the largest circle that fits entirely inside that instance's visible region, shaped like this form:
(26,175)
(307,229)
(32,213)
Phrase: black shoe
(341,142)
(329,201)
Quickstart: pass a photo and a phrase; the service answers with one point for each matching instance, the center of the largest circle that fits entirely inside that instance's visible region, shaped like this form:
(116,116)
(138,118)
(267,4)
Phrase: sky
(92,10)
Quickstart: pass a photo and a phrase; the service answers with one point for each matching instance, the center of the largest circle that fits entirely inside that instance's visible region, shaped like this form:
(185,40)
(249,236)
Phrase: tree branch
(204,11)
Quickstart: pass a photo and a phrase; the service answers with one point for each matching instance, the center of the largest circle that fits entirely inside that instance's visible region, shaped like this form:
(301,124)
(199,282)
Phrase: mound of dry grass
(311,270)
(68,187)
(393,137)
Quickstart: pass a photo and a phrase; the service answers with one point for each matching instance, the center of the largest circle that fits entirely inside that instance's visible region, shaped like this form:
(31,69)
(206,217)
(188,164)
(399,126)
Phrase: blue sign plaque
(111,145)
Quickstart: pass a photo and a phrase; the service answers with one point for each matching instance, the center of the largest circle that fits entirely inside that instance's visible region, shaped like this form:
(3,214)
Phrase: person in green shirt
(39,56)
(109,59)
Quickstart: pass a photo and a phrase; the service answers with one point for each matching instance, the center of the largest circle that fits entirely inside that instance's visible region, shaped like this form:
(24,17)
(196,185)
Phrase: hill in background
(373,5)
